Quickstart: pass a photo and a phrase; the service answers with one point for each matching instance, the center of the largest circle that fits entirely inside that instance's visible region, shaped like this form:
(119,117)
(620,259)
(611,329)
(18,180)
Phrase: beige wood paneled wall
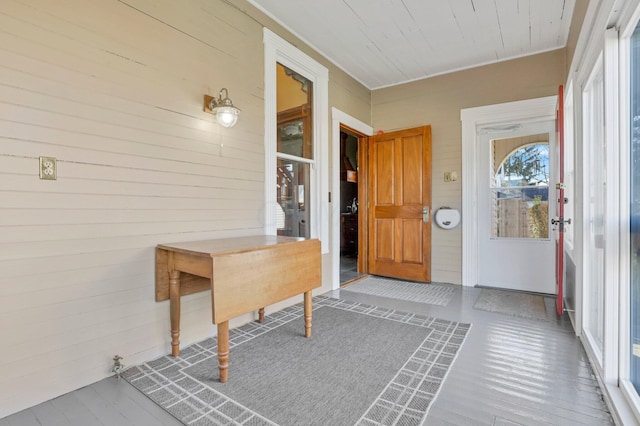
(437,101)
(114,91)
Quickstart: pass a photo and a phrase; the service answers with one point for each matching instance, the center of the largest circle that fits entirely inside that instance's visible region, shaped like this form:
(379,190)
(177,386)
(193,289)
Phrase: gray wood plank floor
(510,371)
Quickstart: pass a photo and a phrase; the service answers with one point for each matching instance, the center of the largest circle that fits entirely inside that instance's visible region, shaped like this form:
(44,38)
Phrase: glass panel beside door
(594,209)
(635,210)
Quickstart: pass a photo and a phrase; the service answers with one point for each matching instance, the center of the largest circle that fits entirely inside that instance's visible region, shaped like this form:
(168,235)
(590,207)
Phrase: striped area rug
(364,365)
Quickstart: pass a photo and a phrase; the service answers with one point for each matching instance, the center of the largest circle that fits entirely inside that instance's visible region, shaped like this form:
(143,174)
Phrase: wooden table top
(228,245)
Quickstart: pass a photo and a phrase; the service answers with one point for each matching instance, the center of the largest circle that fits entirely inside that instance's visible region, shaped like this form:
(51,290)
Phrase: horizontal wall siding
(114,90)
(437,101)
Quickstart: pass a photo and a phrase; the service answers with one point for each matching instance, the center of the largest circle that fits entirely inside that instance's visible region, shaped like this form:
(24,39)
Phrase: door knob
(560,221)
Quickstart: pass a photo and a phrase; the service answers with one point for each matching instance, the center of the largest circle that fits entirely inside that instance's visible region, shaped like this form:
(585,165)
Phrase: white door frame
(473,119)
(337,118)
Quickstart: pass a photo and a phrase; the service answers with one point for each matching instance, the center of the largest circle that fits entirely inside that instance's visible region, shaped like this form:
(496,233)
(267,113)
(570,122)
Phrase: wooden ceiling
(387,42)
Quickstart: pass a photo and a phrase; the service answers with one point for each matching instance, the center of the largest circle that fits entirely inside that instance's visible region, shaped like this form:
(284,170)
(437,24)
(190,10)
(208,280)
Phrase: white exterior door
(515,206)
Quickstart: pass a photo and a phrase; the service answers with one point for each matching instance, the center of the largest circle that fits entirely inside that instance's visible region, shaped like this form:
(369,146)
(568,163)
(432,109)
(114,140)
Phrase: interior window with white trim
(294,152)
(296,142)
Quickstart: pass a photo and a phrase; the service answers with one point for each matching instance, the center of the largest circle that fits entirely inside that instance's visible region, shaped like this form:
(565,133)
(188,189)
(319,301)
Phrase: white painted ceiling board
(387,42)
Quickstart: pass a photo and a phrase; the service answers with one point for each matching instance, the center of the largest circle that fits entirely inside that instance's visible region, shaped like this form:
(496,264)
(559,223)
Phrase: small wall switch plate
(48,168)
(447,176)
(454,176)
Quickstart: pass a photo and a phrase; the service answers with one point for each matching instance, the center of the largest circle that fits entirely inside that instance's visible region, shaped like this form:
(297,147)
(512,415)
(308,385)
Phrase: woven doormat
(513,303)
(433,294)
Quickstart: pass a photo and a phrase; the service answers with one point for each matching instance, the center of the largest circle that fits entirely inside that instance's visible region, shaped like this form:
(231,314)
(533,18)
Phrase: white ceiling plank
(387,42)
(515,26)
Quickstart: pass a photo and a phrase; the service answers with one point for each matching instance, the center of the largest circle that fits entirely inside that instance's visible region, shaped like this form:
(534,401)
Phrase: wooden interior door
(399,241)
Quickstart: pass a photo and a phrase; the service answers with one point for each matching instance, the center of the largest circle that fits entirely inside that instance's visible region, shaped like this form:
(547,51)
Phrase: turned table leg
(261,315)
(223,350)
(307,313)
(174,301)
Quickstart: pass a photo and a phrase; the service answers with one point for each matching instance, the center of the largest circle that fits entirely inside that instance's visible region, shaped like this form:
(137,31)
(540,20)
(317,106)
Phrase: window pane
(594,139)
(291,138)
(295,93)
(520,213)
(635,209)
(520,187)
(292,210)
(569,168)
(526,166)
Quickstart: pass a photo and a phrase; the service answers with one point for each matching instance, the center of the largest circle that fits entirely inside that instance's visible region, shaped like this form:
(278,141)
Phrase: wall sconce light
(223,108)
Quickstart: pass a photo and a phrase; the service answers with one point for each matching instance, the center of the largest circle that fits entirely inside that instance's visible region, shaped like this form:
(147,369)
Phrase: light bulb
(227,116)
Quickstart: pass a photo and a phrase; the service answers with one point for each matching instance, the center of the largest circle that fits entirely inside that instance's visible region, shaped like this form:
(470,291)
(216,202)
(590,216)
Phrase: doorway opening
(342,122)
(349,206)
(388,221)
(495,118)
